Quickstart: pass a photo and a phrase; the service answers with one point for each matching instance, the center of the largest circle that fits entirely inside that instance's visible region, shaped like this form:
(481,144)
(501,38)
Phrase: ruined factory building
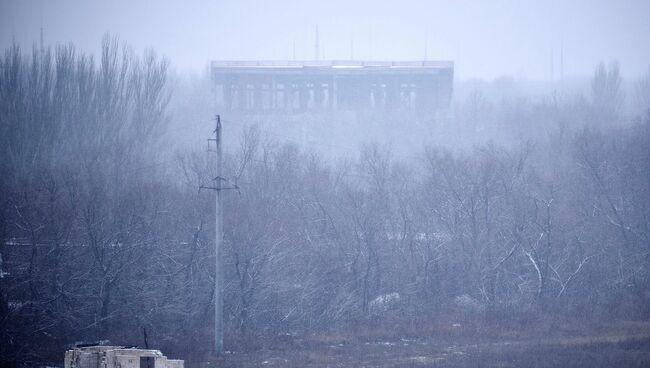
(298,86)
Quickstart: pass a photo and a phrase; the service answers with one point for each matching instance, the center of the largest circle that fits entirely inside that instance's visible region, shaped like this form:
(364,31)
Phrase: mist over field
(401,184)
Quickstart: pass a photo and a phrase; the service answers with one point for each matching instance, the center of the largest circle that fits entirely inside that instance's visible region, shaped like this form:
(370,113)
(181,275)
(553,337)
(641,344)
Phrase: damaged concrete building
(290,87)
(118,357)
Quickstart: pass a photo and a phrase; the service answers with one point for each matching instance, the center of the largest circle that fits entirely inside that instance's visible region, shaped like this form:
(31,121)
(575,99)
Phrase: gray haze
(486,39)
(488,211)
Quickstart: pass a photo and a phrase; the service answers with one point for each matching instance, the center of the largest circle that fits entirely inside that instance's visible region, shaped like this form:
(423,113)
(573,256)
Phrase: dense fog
(520,209)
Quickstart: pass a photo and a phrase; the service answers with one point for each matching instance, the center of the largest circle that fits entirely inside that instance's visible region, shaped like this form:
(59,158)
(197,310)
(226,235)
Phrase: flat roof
(333,64)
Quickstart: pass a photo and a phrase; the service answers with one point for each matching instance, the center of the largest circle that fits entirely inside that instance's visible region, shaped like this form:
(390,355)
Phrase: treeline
(102,237)
(77,214)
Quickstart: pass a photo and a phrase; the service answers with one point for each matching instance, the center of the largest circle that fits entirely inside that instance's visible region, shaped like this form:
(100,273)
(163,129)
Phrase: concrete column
(375,98)
(257,96)
(240,96)
(303,96)
(274,93)
(332,95)
(250,97)
(288,94)
(319,95)
(392,95)
(340,95)
(235,96)
(412,96)
(227,96)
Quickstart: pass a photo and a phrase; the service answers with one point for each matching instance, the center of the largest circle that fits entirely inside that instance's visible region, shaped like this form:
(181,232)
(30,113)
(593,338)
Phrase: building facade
(301,86)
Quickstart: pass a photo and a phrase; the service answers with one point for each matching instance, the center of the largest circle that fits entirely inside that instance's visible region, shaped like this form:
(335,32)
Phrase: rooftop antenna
(562,60)
(41,35)
(294,50)
(552,66)
(370,43)
(317,46)
(426,47)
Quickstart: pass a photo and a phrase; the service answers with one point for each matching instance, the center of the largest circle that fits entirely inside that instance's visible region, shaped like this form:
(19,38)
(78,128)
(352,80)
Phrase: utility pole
(219,274)
(218,233)
(218,250)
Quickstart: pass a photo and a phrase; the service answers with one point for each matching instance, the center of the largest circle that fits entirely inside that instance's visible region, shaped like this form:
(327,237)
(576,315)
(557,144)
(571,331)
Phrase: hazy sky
(486,38)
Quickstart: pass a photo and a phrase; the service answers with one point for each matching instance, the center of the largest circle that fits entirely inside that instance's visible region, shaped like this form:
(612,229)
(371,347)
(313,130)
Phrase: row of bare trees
(102,237)
(78,212)
(536,229)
